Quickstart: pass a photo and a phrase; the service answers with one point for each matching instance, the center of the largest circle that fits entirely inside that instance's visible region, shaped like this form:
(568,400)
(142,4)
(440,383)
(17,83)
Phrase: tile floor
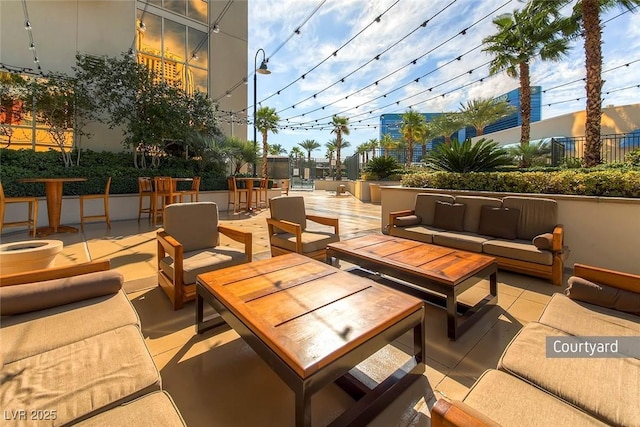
(216,379)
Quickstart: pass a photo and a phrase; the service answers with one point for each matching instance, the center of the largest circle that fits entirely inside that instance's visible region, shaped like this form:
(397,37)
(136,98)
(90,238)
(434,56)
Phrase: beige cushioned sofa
(73,352)
(528,388)
(522,233)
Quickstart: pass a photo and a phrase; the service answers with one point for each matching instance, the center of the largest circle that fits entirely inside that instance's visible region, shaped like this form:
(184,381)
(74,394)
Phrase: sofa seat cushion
(311,240)
(460,240)
(81,378)
(607,388)
(421,233)
(28,334)
(584,319)
(510,401)
(203,261)
(522,250)
(153,409)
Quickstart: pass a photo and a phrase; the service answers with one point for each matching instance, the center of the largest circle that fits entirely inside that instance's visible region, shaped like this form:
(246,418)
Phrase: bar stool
(145,189)
(105,197)
(163,188)
(32,214)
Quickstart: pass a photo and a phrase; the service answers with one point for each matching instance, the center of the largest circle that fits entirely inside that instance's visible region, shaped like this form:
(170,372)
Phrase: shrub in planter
(381,168)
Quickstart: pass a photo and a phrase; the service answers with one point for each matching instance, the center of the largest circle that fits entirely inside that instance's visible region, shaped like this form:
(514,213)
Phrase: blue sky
(435,47)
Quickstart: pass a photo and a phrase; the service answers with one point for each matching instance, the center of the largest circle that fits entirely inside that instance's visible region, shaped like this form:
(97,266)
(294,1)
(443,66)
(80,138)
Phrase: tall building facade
(176,38)
(390,123)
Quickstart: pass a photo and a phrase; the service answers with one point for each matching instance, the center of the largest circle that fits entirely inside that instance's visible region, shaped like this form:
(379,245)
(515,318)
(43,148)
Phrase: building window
(177,49)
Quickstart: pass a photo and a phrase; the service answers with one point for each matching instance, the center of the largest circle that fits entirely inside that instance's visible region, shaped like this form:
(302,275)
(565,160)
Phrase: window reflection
(198,42)
(198,10)
(167,47)
(177,6)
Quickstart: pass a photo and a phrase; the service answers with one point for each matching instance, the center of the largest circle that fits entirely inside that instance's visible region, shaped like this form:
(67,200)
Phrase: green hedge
(96,167)
(585,182)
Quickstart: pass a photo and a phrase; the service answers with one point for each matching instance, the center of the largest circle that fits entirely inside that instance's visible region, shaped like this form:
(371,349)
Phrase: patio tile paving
(216,379)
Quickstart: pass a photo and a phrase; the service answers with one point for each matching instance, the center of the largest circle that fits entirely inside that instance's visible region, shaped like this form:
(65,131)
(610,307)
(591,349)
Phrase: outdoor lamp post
(262,70)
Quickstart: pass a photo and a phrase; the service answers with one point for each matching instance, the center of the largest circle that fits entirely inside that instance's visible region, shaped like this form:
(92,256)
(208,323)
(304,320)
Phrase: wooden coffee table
(427,268)
(312,324)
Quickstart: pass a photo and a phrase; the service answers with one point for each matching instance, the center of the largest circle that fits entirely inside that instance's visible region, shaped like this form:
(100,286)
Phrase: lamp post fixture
(262,70)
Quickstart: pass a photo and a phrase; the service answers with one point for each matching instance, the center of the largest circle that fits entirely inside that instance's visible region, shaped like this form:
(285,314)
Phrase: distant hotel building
(390,123)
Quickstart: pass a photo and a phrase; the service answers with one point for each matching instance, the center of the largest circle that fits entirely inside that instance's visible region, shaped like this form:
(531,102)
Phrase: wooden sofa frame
(554,272)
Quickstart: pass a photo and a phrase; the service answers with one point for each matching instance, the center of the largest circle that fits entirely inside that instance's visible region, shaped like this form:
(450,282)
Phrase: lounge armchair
(288,230)
(189,245)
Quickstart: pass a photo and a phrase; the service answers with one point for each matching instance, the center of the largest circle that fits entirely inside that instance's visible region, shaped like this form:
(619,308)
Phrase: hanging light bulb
(36,60)
(194,56)
(132,53)
(228,94)
(27,25)
(216,29)
(32,46)
(143,27)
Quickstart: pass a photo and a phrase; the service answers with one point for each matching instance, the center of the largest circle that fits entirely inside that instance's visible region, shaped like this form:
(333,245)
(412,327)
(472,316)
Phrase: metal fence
(614,147)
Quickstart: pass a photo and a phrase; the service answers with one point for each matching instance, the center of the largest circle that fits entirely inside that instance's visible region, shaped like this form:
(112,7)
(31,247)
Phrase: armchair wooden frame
(178,291)
(296,229)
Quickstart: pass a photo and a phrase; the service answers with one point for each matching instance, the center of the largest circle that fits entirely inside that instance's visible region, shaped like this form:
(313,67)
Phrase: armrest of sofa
(558,238)
(456,413)
(615,279)
(54,273)
(396,214)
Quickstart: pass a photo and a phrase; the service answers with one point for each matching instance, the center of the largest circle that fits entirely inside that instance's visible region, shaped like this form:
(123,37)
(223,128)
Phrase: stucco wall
(622,119)
(599,231)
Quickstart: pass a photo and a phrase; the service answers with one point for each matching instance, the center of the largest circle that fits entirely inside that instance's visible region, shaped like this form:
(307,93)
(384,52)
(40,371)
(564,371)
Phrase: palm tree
(588,12)
(522,36)
(309,145)
(340,127)
(361,150)
(412,129)
(331,149)
(295,155)
(266,120)
(373,144)
(388,143)
(481,112)
(444,125)
(277,149)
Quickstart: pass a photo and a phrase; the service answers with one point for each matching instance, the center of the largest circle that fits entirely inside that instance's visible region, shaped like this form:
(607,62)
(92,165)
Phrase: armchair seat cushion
(203,261)
(82,378)
(522,250)
(311,240)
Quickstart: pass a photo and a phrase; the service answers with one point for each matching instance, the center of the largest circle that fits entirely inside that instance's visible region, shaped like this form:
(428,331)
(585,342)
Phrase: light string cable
(245,79)
(32,44)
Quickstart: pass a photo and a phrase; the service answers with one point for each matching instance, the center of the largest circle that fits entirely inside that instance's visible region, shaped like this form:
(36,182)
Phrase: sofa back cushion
(537,216)
(499,222)
(449,216)
(426,205)
(473,207)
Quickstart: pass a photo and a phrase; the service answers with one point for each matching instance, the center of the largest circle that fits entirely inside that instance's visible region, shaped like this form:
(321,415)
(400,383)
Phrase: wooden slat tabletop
(308,312)
(433,262)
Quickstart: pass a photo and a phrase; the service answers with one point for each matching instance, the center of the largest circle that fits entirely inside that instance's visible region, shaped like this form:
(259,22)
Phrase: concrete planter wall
(600,231)
(359,189)
(121,207)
